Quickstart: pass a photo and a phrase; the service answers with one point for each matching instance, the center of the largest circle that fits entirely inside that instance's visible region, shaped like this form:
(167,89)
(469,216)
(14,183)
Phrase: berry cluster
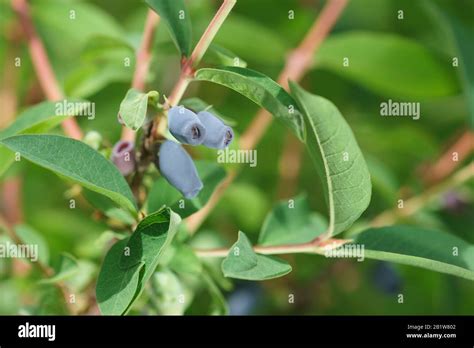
(174,163)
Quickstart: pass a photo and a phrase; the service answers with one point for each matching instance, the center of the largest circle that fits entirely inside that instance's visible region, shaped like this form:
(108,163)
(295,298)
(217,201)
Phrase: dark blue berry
(186,126)
(218,135)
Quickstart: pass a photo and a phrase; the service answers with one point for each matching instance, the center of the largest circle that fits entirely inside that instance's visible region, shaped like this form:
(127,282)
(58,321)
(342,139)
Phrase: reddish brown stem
(42,66)
(142,63)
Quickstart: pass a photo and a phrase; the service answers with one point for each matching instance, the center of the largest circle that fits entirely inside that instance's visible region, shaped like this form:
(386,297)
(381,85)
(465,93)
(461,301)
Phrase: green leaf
(291,223)
(89,79)
(162,193)
(218,305)
(259,88)
(255,41)
(176,17)
(462,33)
(338,159)
(98,46)
(148,243)
(42,117)
(133,107)
(68,267)
(76,161)
(116,287)
(108,207)
(36,119)
(219,55)
(32,237)
(388,64)
(185,261)
(434,250)
(243,263)
(198,105)
(168,292)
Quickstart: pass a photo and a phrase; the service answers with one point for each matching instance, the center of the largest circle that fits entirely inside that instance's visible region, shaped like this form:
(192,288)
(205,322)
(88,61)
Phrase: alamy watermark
(237,156)
(346,251)
(22,251)
(69,108)
(405,109)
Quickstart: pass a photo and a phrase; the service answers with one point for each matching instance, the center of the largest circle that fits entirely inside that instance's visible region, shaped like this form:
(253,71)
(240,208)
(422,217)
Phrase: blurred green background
(261,33)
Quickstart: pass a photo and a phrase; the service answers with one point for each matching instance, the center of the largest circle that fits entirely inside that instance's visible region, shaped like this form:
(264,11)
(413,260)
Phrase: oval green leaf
(176,17)
(133,107)
(260,89)
(76,161)
(388,64)
(420,247)
(338,159)
(116,287)
(243,263)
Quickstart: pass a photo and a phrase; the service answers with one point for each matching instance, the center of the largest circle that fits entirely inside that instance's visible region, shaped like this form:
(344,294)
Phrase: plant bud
(218,134)
(177,167)
(123,156)
(120,119)
(93,139)
(185,126)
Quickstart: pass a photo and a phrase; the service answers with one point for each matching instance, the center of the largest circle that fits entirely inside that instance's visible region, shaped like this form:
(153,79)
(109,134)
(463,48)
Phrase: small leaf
(388,64)
(168,293)
(338,159)
(176,17)
(162,193)
(420,247)
(259,88)
(108,207)
(76,161)
(218,305)
(116,287)
(32,237)
(219,55)
(133,108)
(148,244)
(291,225)
(243,263)
(68,267)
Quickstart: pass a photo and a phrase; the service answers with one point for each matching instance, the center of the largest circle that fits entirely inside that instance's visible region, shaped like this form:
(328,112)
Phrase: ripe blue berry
(218,134)
(123,156)
(177,167)
(185,126)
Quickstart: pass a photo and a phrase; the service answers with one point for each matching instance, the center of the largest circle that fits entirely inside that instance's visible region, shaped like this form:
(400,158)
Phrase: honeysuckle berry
(178,168)
(123,156)
(218,134)
(186,126)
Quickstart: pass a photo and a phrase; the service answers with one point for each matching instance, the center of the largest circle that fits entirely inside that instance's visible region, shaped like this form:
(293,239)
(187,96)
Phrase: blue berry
(123,156)
(177,167)
(218,135)
(386,278)
(186,126)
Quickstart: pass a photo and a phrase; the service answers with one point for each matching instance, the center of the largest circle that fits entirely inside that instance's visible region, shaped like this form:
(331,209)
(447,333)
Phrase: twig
(296,66)
(414,204)
(187,69)
(314,247)
(320,245)
(142,63)
(445,165)
(42,66)
(159,124)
